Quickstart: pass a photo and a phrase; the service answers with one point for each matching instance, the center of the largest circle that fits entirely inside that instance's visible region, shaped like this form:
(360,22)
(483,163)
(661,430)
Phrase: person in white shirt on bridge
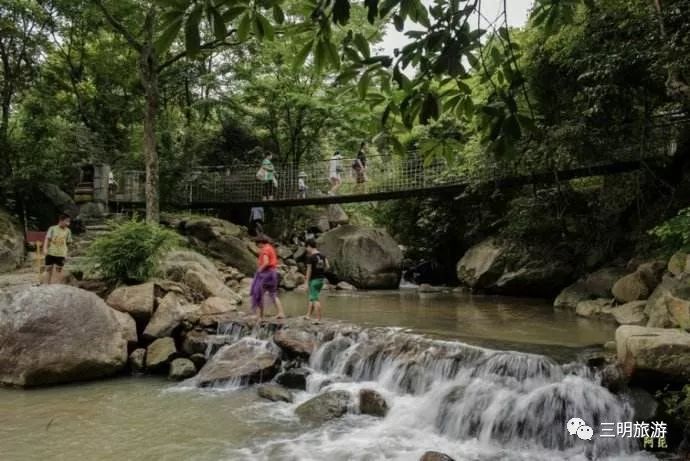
(335,169)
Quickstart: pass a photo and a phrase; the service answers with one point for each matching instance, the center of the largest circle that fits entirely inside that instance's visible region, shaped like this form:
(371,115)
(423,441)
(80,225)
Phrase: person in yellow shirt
(55,248)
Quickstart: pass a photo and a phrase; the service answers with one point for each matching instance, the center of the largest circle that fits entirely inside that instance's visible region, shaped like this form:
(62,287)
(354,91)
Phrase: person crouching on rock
(266,278)
(55,248)
(317,265)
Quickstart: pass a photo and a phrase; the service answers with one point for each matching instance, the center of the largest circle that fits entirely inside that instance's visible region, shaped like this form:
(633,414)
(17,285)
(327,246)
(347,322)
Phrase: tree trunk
(148,69)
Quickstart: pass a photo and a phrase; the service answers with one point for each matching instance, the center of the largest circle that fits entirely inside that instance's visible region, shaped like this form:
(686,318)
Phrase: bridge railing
(391,173)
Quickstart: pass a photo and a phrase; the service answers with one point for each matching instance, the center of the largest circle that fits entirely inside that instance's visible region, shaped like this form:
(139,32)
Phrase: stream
(513,383)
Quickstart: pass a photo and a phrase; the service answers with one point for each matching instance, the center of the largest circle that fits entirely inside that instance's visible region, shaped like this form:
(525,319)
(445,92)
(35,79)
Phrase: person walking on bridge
(266,279)
(359,166)
(267,176)
(335,170)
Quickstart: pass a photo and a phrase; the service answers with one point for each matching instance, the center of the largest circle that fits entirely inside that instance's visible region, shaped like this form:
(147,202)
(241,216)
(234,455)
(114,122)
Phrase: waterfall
(506,398)
(476,403)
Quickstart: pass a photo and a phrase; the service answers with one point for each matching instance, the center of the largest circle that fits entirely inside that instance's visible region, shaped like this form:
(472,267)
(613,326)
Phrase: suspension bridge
(393,176)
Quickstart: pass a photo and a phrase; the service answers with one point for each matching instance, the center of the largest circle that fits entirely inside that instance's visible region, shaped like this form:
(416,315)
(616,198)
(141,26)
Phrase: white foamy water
(469,402)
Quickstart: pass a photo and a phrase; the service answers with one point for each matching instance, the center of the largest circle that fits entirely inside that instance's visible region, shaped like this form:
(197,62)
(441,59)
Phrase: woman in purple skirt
(266,278)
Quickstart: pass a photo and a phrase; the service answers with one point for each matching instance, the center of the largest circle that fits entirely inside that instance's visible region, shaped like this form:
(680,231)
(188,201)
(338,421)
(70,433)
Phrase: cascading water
(473,403)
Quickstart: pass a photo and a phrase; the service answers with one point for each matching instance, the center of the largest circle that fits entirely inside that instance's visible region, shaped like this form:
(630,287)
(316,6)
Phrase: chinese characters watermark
(648,432)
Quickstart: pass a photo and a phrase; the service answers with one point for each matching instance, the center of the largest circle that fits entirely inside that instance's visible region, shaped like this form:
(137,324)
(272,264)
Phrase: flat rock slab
(324,407)
(295,342)
(275,393)
(654,355)
(248,361)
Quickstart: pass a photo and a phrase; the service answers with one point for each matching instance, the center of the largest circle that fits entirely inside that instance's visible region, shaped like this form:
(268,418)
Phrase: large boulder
(631,287)
(56,334)
(181,368)
(295,342)
(175,264)
(324,407)
(248,361)
(365,257)
(160,353)
(136,300)
(275,393)
(631,313)
(221,239)
(172,309)
(11,242)
(649,355)
(668,296)
(137,360)
(129,327)
(372,403)
(598,284)
(677,263)
(208,284)
(47,202)
(295,378)
(478,266)
(217,306)
(507,267)
(337,215)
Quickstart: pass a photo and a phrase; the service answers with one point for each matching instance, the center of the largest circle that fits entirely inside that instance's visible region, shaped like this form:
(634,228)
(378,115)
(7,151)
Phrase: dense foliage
(131,251)
(172,85)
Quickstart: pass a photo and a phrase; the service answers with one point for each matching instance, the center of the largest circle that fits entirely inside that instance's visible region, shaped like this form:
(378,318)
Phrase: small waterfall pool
(481,379)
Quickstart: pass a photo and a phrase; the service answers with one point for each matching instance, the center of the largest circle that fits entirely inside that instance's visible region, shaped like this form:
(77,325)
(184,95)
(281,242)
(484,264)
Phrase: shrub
(674,234)
(131,251)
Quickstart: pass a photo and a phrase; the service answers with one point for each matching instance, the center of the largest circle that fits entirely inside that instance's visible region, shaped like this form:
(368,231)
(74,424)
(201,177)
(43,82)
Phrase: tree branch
(119,27)
(206,46)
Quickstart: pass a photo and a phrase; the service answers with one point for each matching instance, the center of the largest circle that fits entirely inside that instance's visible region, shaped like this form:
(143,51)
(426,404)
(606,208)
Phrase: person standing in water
(266,279)
(317,265)
(55,249)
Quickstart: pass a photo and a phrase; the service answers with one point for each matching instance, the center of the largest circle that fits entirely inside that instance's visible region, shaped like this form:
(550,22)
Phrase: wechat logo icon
(577,426)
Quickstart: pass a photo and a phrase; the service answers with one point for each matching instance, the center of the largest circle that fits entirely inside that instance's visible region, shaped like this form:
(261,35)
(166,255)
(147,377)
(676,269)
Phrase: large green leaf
(301,57)
(333,56)
(170,33)
(267,31)
(278,14)
(320,52)
(243,27)
(372,10)
(192,38)
(363,85)
(362,45)
(341,12)
(387,6)
(218,24)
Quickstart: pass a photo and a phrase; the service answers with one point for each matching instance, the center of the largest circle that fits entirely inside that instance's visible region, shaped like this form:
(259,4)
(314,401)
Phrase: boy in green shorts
(317,265)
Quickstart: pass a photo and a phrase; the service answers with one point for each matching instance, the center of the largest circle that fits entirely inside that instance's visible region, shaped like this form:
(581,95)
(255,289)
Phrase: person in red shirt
(266,278)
